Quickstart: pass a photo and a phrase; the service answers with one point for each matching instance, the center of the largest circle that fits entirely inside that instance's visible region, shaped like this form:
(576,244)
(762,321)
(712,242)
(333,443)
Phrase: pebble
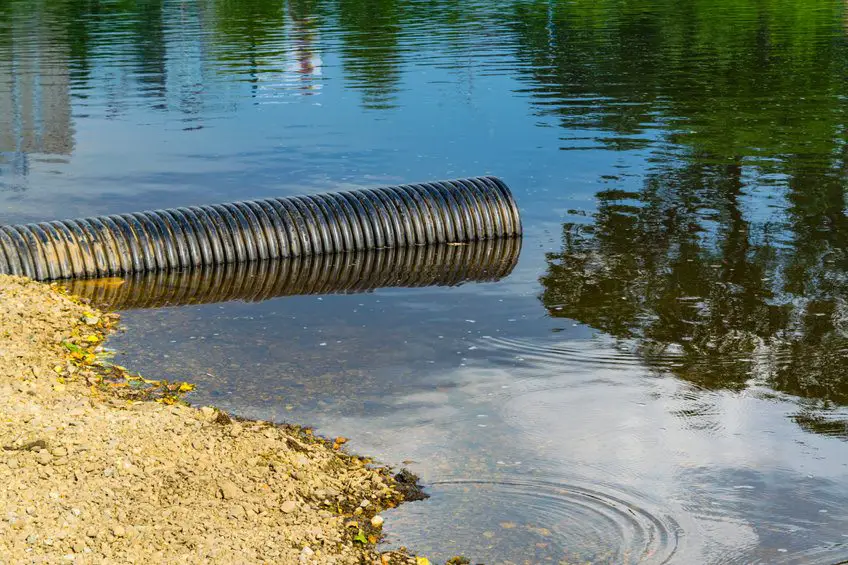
(119,531)
(377,521)
(91,320)
(32,538)
(236,429)
(44,457)
(365,503)
(228,490)
(288,506)
(12,463)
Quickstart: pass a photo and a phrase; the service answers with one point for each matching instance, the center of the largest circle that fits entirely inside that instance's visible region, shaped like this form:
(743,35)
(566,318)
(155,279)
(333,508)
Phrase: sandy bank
(93,476)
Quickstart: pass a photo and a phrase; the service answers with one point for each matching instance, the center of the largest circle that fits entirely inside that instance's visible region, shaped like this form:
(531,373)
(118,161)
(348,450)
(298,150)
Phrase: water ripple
(584,353)
(542,521)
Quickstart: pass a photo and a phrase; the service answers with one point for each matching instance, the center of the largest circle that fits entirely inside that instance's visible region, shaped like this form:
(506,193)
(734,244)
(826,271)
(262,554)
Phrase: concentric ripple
(533,521)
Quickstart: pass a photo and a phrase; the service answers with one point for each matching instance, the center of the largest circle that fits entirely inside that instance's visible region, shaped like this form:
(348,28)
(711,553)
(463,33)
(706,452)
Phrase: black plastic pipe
(345,273)
(457,211)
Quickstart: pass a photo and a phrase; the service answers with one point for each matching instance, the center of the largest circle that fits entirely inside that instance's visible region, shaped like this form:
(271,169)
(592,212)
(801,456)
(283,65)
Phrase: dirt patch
(100,468)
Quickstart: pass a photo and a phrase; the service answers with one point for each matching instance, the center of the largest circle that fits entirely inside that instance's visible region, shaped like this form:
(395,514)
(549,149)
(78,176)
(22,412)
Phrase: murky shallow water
(662,375)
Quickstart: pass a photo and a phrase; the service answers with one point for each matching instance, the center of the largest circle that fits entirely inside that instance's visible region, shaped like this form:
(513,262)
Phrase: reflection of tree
(734,75)
(707,294)
(370,48)
(247,31)
(739,90)
(150,48)
(245,27)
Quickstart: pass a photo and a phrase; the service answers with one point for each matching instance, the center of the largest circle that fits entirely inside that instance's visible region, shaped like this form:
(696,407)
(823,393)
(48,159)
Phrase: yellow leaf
(422,561)
(92,339)
(186,387)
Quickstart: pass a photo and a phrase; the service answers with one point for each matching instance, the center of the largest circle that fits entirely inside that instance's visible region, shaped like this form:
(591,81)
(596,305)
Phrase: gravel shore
(98,468)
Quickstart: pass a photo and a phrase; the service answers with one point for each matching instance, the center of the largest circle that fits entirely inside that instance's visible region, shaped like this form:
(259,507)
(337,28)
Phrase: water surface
(662,376)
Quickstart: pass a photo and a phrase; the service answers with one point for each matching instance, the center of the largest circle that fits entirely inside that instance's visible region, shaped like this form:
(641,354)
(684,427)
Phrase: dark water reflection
(662,376)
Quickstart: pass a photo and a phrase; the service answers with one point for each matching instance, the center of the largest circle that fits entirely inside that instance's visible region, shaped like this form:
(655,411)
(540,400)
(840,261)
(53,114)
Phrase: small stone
(91,320)
(12,463)
(377,521)
(32,538)
(358,511)
(228,490)
(91,532)
(108,471)
(44,457)
(364,503)
(59,452)
(119,531)
(307,552)
(236,429)
(352,524)
(288,506)
(78,547)
(207,412)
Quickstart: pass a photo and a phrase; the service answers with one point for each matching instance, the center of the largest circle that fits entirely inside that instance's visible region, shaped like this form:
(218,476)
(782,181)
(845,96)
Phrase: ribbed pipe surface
(361,271)
(455,211)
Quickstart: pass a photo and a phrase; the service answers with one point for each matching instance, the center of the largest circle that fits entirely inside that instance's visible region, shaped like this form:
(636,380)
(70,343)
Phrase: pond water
(660,376)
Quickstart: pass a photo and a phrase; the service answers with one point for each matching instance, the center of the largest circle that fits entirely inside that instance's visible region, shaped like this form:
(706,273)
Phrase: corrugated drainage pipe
(457,211)
(345,273)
